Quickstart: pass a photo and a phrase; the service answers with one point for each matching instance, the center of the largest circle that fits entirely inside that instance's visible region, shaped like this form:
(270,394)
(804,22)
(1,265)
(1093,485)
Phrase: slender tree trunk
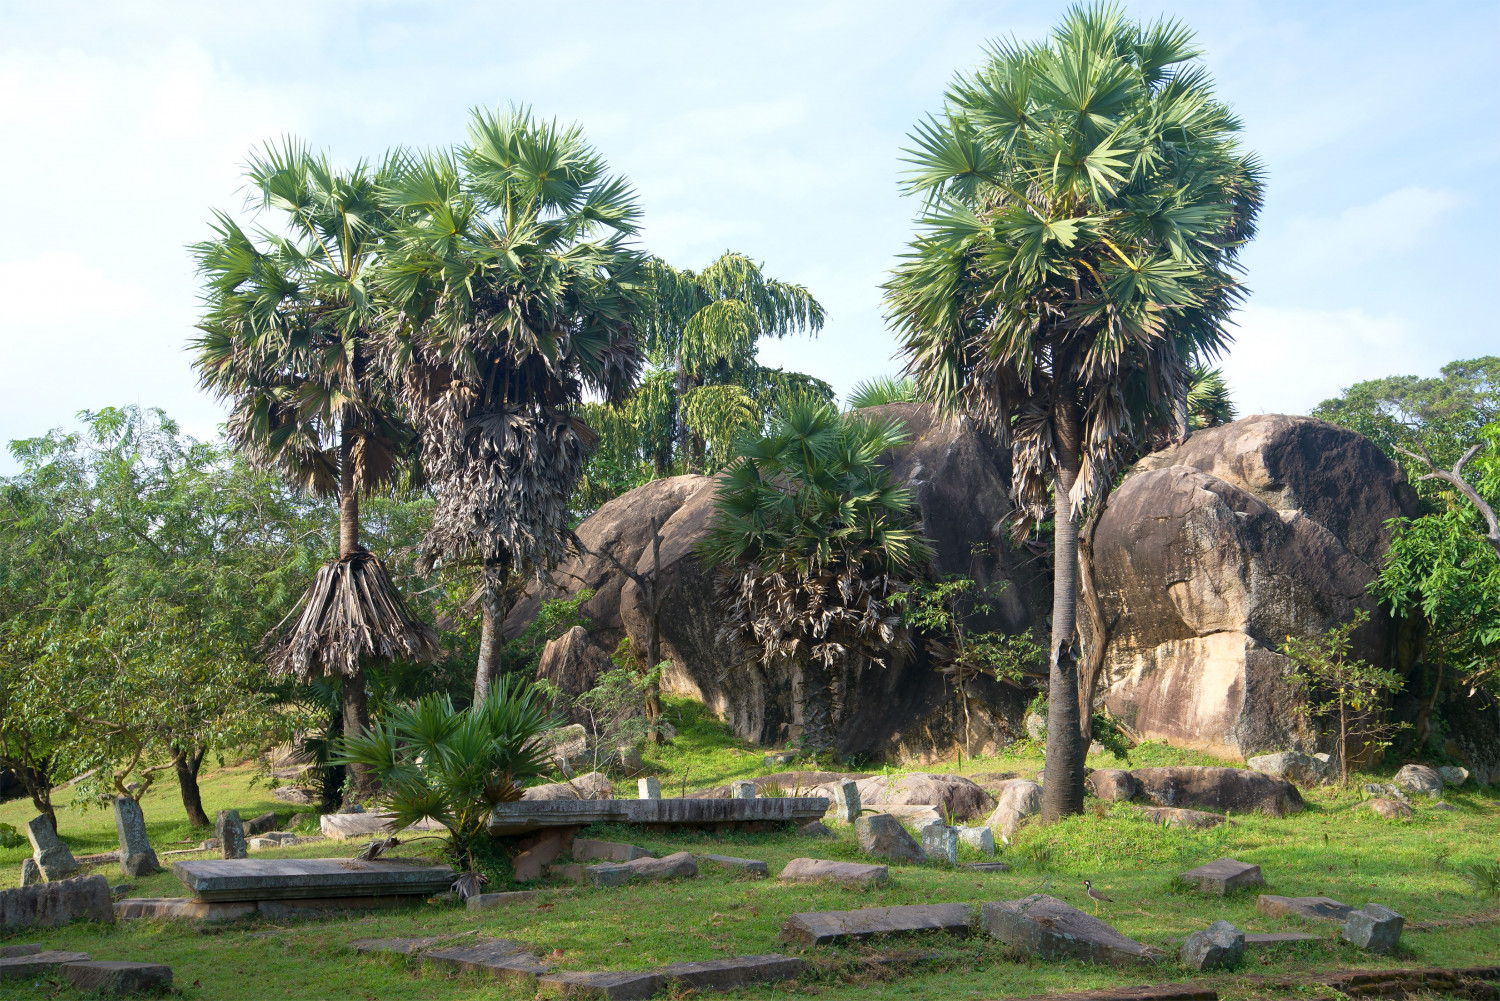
(653,631)
(356,707)
(1180,416)
(1424,715)
(1062,792)
(187,761)
(492,612)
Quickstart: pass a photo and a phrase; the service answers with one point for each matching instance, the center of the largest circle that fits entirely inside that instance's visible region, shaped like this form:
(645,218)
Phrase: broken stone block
(59,903)
(624,986)
(811,870)
(118,978)
(676,866)
(31,873)
(1020,799)
(649,787)
(750,866)
(742,789)
(260,825)
(53,857)
(1374,927)
(1453,775)
(846,805)
(545,848)
(230,832)
(1223,876)
(1051,929)
(37,964)
(1388,809)
(496,956)
(137,859)
(825,927)
(815,829)
(588,850)
(978,837)
(940,843)
(1220,946)
(883,836)
(728,974)
(1308,908)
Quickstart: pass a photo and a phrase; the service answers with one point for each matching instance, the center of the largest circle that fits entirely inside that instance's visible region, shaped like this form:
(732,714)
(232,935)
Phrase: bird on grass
(1096,896)
(375,849)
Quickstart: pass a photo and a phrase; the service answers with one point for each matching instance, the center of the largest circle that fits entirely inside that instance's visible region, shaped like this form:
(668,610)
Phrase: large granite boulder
(1199,787)
(960,480)
(572,662)
(1021,799)
(951,794)
(1210,553)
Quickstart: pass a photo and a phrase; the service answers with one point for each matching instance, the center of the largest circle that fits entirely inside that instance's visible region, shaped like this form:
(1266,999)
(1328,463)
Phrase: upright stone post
(136,857)
(230,831)
(649,787)
(742,789)
(51,855)
(846,805)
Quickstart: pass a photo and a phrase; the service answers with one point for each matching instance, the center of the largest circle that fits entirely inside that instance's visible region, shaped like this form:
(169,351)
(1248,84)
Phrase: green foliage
(879,391)
(554,617)
(1354,692)
(944,608)
(719,416)
(1208,402)
(1106,730)
(616,709)
(10,837)
(453,765)
(1483,877)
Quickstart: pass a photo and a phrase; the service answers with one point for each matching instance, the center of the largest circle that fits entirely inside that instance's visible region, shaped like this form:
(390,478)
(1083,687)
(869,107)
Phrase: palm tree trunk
(1062,792)
(491,622)
(356,708)
(187,761)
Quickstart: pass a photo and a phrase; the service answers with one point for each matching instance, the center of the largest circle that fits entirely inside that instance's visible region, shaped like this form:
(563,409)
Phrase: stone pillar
(230,831)
(940,842)
(52,856)
(136,857)
(742,789)
(846,804)
(31,873)
(649,787)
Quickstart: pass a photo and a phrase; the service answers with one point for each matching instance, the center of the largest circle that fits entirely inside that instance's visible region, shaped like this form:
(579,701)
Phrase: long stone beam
(530,815)
(292,879)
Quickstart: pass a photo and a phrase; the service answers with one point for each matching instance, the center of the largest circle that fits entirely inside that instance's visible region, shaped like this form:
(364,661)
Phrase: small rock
(778,758)
(940,843)
(1294,766)
(1036,727)
(1374,927)
(846,804)
(1019,801)
(978,837)
(1445,807)
(883,836)
(815,829)
(810,870)
(260,825)
(1220,946)
(749,866)
(648,787)
(1453,775)
(1115,785)
(1223,876)
(118,978)
(31,873)
(742,789)
(1390,809)
(675,866)
(351,808)
(1420,780)
(1171,817)
(1387,790)
(1308,908)
(120,890)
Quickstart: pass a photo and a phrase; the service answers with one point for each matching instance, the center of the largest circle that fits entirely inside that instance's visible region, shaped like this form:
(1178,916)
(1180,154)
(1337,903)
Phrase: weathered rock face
(1209,554)
(960,481)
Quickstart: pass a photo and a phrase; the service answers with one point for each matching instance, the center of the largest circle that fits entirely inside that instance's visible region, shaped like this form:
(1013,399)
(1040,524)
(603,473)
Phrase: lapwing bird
(375,849)
(1096,896)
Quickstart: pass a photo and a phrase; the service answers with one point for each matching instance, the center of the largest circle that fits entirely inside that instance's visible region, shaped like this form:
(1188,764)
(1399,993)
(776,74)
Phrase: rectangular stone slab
(814,870)
(589,850)
(38,963)
(1308,908)
(754,867)
(823,927)
(728,974)
(530,815)
(118,977)
(626,986)
(1223,876)
(292,879)
(496,956)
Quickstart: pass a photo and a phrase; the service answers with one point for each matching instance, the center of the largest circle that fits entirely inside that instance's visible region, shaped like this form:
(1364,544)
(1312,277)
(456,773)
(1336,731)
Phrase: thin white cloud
(1401,222)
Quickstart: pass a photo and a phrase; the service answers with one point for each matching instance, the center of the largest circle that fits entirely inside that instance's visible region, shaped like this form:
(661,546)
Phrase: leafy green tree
(1350,690)
(287,339)
(518,293)
(1086,199)
(1208,402)
(815,545)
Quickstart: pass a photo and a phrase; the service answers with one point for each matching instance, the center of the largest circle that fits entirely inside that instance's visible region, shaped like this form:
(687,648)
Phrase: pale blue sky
(770,128)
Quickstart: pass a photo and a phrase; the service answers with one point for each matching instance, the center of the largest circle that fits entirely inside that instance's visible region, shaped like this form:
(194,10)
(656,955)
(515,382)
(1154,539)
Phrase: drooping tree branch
(1455,477)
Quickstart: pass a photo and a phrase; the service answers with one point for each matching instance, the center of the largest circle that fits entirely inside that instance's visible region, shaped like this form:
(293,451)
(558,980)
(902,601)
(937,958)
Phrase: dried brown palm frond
(351,612)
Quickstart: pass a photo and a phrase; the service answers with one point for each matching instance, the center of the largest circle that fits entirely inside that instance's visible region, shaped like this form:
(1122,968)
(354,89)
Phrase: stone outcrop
(1219,789)
(959,478)
(1209,554)
(951,794)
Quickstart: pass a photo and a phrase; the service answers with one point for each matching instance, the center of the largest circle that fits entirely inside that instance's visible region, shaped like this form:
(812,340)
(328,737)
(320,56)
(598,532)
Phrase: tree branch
(1455,477)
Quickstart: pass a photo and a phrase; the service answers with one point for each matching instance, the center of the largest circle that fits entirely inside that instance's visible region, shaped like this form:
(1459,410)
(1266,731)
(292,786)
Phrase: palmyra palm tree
(515,293)
(286,339)
(1085,202)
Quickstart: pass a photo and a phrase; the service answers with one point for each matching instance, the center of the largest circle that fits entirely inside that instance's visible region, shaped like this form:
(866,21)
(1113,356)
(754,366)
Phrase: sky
(774,129)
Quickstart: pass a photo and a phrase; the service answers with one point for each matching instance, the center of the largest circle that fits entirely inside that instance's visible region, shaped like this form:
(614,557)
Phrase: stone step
(824,927)
(751,866)
(283,879)
(37,964)
(812,870)
(114,977)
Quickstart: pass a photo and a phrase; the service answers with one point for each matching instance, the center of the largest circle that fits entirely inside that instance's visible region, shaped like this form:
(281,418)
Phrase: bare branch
(1455,478)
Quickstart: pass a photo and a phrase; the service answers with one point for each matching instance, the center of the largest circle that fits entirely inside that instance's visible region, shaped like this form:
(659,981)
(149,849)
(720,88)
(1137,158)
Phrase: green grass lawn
(1332,848)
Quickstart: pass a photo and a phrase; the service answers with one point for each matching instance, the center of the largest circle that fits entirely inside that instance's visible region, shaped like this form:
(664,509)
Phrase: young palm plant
(1086,198)
(286,339)
(515,293)
(814,544)
(437,762)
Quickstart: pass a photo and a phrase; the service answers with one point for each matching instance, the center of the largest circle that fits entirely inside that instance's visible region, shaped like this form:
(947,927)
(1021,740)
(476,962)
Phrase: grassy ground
(1332,848)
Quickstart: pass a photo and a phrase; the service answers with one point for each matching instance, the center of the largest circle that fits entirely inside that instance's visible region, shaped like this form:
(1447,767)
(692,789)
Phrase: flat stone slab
(486,901)
(496,956)
(530,815)
(589,850)
(1223,876)
(625,986)
(396,946)
(50,905)
(37,963)
(728,974)
(1308,908)
(1279,938)
(824,927)
(987,867)
(118,978)
(285,879)
(814,870)
(19,949)
(676,866)
(1170,816)
(754,867)
(1051,929)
